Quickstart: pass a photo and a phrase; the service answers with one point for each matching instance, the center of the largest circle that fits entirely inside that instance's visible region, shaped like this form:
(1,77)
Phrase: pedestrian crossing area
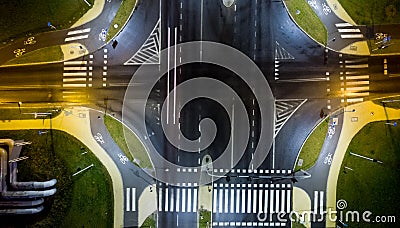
(281,53)
(77,35)
(349,31)
(354,80)
(130,199)
(78,74)
(267,200)
(182,198)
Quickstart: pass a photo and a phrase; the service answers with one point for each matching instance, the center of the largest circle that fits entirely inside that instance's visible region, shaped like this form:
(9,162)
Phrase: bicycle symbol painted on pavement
(99,138)
(328,159)
(103,35)
(123,158)
(18,52)
(380,36)
(313,3)
(331,131)
(31,40)
(326,9)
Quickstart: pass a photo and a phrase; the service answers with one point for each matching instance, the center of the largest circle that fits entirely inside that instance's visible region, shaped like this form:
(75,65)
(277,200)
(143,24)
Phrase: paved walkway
(91,14)
(365,113)
(301,203)
(76,122)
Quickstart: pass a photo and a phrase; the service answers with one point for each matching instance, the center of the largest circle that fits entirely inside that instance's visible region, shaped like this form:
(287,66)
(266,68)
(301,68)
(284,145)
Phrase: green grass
(23,18)
(394,47)
(123,14)
(85,200)
(150,222)
(205,216)
(308,20)
(297,225)
(26,113)
(139,153)
(372,186)
(43,55)
(368,12)
(312,147)
(395,104)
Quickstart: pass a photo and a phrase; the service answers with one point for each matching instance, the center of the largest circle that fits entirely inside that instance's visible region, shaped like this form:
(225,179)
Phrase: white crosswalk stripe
(77,74)
(130,199)
(354,80)
(349,31)
(181,199)
(77,35)
(251,199)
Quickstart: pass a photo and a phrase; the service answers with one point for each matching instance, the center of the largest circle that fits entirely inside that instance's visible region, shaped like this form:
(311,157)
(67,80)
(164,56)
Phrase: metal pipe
(21,211)
(19,203)
(27,185)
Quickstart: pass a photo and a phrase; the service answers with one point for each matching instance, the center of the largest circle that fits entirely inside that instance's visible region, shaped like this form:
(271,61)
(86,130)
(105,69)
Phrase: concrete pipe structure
(27,185)
(19,203)
(26,211)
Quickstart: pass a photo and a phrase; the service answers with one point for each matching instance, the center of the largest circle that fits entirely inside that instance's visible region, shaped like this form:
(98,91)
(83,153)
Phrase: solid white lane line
(178,200)
(195,200)
(76,38)
(160,199)
(220,200)
(70,33)
(351,36)
(183,199)
(232,200)
(166,199)
(243,200)
(349,30)
(75,63)
(189,190)
(74,74)
(133,199)
(128,199)
(168,62)
(303,79)
(75,68)
(357,94)
(357,83)
(339,25)
(214,200)
(175,58)
(226,201)
(315,202)
(356,60)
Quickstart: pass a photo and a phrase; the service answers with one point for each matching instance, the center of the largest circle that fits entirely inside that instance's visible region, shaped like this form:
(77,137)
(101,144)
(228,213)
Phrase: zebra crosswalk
(182,198)
(268,199)
(130,199)
(354,80)
(77,35)
(349,31)
(77,74)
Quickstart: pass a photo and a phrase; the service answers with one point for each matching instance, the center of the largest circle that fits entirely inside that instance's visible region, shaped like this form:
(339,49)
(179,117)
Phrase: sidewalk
(91,14)
(365,113)
(75,121)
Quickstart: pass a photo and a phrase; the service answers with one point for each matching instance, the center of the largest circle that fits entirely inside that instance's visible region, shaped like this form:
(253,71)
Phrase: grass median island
(308,20)
(369,185)
(25,113)
(313,145)
(123,14)
(391,102)
(85,200)
(369,12)
(150,221)
(204,218)
(139,154)
(43,55)
(26,17)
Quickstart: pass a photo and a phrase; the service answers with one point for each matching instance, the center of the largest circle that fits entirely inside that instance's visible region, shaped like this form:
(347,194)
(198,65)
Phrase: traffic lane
(294,132)
(264,21)
(305,89)
(217,22)
(43,75)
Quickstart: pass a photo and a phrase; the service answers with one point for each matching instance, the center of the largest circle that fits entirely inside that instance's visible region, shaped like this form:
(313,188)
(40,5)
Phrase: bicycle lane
(316,186)
(135,180)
